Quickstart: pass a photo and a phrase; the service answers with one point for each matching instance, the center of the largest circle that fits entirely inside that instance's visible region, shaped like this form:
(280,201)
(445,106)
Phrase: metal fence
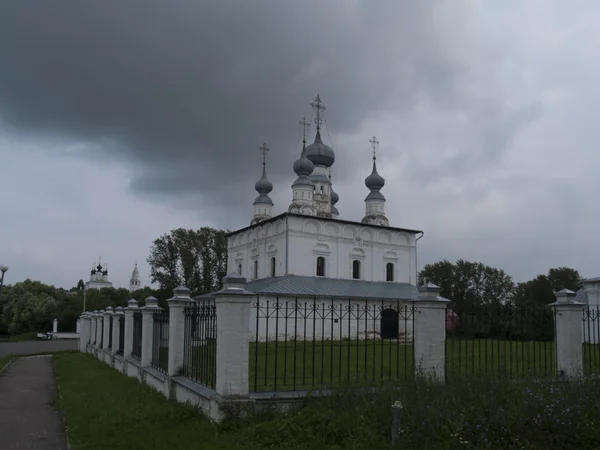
(160,340)
(591,339)
(121,326)
(136,351)
(200,338)
(500,340)
(301,344)
(110,331)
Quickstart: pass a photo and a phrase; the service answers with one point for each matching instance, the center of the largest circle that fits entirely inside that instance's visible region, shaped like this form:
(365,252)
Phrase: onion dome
(303,166)
(263,186)
(99,267)
(374,181)
(319,153)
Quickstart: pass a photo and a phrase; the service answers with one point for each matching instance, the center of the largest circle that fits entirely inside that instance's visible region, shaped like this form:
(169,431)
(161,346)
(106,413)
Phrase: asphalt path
(35,347)
(28,418)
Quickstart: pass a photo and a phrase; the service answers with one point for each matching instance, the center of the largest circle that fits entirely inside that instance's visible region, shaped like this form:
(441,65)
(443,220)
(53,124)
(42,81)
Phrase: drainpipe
(416,260)
(287,240)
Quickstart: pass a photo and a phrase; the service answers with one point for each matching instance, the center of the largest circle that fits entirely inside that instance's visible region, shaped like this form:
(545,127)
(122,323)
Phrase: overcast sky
(120,121)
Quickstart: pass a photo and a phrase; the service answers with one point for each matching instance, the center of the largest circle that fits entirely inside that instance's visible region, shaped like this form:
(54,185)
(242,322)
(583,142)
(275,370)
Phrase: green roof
(295,285)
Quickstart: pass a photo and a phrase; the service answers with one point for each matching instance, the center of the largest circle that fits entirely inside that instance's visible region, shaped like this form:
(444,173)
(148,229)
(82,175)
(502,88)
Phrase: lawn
(104,409)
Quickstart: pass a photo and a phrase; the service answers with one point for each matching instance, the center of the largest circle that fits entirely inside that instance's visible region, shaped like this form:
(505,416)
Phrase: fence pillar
(233,336)
(148,330)
(93,327)
(99,326)
(568,338)
(106,340)
(177,303)
(430,332)
(128,344)
(116,336)
(78,326)
(84,332)
(55,326)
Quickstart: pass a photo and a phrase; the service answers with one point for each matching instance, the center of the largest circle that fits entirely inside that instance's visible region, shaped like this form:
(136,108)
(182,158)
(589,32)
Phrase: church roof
(273,219)
(592,280)
(296,285)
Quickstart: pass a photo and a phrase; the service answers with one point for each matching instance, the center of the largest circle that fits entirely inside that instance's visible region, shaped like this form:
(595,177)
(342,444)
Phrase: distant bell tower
(134,282)
(263,205)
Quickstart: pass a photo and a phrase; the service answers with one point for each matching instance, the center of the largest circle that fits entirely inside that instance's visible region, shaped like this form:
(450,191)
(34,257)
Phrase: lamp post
(3,269)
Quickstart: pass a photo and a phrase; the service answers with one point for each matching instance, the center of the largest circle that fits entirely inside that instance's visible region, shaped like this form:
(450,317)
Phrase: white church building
(310,254)
(99,278)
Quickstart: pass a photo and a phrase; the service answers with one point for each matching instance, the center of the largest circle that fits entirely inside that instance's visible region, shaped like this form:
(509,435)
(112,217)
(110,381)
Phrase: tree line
(197,259)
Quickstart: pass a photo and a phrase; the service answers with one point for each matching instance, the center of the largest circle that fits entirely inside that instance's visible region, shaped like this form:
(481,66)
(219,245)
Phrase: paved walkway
(28,419)
(30,347)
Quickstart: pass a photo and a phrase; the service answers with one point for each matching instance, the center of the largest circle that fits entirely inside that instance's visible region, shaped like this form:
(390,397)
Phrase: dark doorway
(389,324)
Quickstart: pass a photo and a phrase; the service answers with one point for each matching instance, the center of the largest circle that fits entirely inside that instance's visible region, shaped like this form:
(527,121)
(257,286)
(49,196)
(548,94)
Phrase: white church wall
(341,243)
(324,319)
(591,326)
(260,243)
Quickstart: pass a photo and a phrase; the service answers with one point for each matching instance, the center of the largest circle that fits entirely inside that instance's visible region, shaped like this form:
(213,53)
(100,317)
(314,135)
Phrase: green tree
(196,259)
(564,278)
(467,283)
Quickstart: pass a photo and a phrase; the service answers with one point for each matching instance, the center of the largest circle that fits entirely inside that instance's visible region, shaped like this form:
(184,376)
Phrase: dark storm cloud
(188,90)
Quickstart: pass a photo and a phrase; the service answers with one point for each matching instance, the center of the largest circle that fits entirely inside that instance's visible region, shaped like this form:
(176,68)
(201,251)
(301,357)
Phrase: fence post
(148,330)
(233,336)
(568,338)
(99,327)
(116,337)
(430,332)
(93,327)
(107,313)
(84,333)
(181,298)
(128,344)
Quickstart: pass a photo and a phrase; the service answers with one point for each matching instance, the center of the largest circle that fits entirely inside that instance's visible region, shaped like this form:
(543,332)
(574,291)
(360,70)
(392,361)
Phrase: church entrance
(389,324)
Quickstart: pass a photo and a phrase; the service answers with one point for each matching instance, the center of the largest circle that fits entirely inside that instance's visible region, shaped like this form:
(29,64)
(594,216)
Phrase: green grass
(5,360)
(104,409)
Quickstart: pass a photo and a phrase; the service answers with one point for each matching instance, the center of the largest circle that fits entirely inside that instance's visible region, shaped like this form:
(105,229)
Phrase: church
(311,252)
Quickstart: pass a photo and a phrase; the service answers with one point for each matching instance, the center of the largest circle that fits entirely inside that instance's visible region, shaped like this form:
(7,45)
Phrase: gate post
(430,332)
(568,338)
(116,336)
(128,343)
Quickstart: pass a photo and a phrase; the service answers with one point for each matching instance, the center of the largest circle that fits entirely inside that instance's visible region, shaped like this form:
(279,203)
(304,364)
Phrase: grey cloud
(186,91)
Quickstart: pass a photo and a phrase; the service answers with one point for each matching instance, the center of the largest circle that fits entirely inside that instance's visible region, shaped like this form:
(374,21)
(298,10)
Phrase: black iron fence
(121,325)
(591,339)
(110,330)
(160,340)
(200,339)
(301,344)
(500,340)
(136,351)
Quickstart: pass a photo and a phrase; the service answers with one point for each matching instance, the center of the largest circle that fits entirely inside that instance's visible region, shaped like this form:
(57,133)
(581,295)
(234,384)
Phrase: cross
(305,125)
(317,105)
(264,149)
(374,143)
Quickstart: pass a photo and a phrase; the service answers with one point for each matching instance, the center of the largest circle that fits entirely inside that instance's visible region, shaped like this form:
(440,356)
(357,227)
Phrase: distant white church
(309,253)
(99,277)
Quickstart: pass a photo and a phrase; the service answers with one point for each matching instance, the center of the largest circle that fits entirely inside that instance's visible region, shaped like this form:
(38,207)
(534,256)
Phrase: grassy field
(104,409)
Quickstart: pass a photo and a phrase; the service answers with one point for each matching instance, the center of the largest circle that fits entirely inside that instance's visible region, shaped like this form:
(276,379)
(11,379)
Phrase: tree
(540,291)
(467,283)
(196,259)
(564,278)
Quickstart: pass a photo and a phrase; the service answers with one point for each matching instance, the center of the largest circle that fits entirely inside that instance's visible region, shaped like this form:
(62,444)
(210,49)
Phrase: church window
(273,265)
(320,266)
(239,269)
(356,269)
(255,269)
(389,272)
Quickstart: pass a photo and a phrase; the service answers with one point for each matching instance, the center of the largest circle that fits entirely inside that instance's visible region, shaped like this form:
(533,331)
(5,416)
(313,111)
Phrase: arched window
(356,269)
(273,266)
(239,269)
(389,272)
(320,266)
(255,269)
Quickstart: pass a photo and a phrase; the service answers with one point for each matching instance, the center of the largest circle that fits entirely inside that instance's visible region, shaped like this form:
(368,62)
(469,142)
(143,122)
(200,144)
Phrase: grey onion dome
(303,166)
(334,197)
(263,186)
(374,181)
(319,153)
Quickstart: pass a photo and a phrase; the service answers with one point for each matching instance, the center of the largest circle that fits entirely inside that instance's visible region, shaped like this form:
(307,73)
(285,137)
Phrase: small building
(341,277)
